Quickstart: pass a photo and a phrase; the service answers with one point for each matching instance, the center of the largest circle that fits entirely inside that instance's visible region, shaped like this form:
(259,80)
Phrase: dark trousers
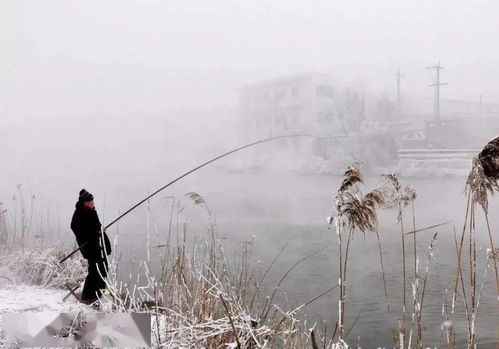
(94,282)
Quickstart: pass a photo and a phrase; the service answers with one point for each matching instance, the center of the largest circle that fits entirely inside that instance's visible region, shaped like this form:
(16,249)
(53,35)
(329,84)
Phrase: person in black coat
(86,226)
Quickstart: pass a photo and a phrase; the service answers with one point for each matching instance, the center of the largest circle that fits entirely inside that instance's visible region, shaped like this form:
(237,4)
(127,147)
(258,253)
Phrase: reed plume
(351,178)
(196,198)
(489,158)
(482,181)
(359,211)
(399,197)
(353,211)
(395,194)
(478,184)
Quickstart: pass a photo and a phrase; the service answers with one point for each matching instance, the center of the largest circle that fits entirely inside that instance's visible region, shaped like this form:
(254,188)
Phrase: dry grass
(205,302)
(39,266)
(201,299)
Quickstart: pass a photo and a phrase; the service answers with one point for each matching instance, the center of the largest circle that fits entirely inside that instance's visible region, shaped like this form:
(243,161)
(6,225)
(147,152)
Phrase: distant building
(423,108)
(296,104)
(462,124)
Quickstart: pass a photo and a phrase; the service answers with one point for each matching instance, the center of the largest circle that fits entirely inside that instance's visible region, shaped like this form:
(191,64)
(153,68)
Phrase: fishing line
(186,174)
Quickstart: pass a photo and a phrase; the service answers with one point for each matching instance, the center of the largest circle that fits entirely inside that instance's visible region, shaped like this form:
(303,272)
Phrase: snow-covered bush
(40,267)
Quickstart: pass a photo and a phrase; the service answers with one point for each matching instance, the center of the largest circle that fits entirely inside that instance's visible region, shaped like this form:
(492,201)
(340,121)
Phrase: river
(278,208)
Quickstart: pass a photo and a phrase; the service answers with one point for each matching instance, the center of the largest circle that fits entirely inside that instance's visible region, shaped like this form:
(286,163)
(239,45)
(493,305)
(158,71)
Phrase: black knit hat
(85,196)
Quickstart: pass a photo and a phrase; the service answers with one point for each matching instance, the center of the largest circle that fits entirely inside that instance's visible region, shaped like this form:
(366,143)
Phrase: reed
(418,292)
(201,299)
(447,328)
(399,197)
(353,210)
(481,182)
(385,288)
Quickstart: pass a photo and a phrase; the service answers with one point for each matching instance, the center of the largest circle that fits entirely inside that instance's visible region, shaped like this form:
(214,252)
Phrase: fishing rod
(184,175)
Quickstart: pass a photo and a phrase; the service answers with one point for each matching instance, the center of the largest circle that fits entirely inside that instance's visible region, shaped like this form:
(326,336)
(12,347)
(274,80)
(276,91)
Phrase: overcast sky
(65,58)
(78,78)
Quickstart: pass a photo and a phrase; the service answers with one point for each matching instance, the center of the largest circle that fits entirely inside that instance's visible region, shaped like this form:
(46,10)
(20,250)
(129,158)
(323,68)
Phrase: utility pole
(436,89)
(399,98)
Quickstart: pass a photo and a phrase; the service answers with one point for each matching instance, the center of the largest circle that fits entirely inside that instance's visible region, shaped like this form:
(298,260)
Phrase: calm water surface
(274,209)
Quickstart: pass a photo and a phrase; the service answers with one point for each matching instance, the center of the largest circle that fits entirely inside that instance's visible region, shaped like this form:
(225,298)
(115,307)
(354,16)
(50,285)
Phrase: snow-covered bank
(434,168)
(21,298)
(24,298)
(315,165)
(45,318)
(33,280)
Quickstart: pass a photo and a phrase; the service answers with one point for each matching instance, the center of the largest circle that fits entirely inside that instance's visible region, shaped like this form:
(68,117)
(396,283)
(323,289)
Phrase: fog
(120,97)
(92,75)
(152,56)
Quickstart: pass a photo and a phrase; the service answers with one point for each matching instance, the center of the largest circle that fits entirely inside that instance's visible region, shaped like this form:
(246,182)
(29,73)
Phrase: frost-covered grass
(200,300)
(39,265)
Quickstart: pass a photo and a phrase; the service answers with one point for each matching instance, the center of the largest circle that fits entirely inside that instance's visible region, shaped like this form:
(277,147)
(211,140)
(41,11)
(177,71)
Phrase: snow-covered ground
(20,298)
(23,298)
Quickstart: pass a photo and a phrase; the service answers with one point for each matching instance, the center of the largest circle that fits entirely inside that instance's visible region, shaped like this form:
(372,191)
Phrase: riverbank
(457,168)
(28,298)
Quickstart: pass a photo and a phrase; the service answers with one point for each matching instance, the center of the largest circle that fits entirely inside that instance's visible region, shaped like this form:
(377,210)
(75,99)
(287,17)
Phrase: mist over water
(121,97)
(272,209)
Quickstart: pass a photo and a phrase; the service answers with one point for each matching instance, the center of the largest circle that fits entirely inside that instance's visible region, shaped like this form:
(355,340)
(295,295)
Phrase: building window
(279,95)
(281,121)
(324,117)
(294,92)
(324,91)
(296,144)
(267,99)
(294,118)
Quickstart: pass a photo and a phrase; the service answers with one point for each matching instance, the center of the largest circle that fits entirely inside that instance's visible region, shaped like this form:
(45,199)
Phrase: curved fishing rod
(186,174)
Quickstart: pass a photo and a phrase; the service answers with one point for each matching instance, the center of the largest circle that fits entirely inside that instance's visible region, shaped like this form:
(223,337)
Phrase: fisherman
(87,228)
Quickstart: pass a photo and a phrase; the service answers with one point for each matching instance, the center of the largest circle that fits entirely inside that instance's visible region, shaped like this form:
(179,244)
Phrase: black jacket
(86,226)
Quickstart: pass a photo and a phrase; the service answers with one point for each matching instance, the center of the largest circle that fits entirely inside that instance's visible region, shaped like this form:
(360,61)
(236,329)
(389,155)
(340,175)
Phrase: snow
(335,166)
(434,168)
(34,298)
(23,298)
